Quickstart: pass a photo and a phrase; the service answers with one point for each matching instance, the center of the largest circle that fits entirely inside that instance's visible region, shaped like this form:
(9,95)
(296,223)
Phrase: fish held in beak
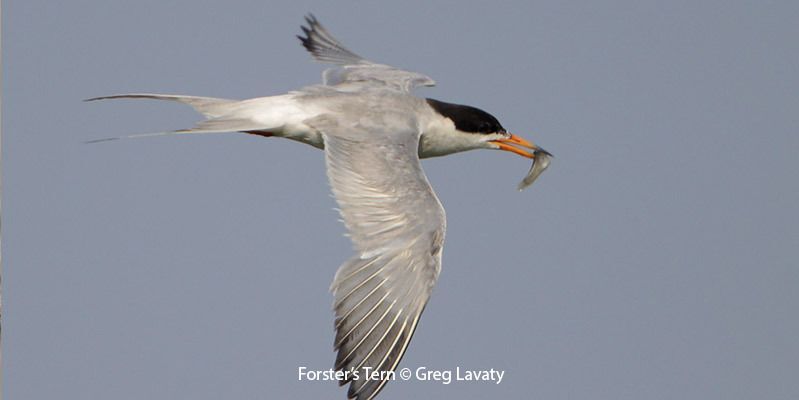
(541,159)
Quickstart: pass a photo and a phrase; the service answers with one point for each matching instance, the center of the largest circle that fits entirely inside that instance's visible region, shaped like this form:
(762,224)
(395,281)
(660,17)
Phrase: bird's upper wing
(397,226)
(354,69)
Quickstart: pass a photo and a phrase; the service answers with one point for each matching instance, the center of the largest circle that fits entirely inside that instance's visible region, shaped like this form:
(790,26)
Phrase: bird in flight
(373,132)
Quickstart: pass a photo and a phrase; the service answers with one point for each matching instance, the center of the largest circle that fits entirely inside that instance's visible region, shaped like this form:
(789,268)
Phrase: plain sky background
(657,258)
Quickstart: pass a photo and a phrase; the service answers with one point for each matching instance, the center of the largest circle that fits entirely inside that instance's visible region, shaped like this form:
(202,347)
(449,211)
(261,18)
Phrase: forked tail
(220,114)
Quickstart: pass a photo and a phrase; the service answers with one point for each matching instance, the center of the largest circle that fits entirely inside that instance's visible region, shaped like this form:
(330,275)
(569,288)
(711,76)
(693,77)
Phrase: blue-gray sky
(657,258)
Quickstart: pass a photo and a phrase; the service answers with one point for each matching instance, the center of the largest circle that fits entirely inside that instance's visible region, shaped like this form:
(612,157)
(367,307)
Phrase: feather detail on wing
(324,47)
(397,227)
(354,69)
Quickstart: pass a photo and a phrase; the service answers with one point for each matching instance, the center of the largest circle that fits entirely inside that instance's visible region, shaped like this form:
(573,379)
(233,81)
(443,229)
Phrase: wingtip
(306,40)
(312,23)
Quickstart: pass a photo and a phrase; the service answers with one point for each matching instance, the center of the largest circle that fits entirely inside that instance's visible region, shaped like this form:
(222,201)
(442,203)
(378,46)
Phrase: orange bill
(513,144)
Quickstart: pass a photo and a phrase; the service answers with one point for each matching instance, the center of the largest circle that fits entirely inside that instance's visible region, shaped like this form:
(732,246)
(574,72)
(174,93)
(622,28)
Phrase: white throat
(440,138)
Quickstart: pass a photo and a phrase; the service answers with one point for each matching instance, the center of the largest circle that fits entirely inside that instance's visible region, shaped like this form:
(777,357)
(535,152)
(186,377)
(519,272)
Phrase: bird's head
(460,128)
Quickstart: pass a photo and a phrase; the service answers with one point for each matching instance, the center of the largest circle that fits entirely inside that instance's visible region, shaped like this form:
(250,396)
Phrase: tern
(373,132)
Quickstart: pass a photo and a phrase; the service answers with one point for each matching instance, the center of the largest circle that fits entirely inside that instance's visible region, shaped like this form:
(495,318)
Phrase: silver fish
(540,163)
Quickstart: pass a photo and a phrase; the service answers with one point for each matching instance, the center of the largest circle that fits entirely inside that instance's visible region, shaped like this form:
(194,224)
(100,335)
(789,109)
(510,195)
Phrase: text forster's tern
(373,132)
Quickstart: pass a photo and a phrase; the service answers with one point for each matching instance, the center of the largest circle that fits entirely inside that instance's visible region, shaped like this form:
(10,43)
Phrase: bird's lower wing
(378,303)
(397,227)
